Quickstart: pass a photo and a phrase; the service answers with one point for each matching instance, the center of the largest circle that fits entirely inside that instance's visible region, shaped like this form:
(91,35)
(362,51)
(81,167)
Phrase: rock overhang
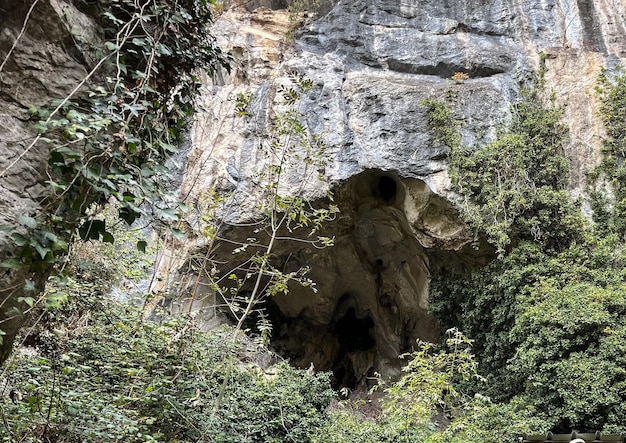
(374,62)
(371,288)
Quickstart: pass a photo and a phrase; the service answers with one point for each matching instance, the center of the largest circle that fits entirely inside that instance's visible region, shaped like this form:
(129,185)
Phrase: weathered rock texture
(39,61)
(373,62)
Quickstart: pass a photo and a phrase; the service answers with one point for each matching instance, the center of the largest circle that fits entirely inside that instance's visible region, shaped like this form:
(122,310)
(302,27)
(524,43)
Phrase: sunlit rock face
(373,62)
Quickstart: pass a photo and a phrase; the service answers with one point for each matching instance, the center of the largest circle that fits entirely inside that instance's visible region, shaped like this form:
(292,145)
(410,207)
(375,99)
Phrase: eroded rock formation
(373,62)
(39,61)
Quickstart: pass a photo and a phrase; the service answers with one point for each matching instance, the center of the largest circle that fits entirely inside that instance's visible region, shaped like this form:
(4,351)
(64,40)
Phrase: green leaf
(30,301)
(111,46)
(92,229)
(27,221)
(56,300)
(128,215)
(113,18)
(29,286)
(177,233)
(41,249)
(12,263)
(168,213)
(90,173)
(19,239)
(13,311)
(107,237)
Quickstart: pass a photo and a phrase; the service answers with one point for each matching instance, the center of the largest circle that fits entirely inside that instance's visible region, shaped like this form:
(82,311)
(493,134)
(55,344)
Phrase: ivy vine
(610,209)
(112,139)
(507,198)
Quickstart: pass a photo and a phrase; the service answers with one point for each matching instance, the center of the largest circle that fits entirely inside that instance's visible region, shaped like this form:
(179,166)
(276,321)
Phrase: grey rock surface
(373,62)
(39,61)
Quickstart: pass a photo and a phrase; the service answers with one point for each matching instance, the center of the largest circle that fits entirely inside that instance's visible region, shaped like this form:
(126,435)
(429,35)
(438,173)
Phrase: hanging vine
(111,140)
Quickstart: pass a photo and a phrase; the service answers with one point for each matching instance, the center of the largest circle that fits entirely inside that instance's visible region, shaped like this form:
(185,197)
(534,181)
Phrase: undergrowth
(548,312)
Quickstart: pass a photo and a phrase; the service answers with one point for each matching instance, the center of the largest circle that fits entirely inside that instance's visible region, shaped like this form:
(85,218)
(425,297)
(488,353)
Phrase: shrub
(124,378)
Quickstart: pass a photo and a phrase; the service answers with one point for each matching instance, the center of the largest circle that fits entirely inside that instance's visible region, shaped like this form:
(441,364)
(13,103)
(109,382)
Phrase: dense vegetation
(112,139)
(97,370)
(548,314)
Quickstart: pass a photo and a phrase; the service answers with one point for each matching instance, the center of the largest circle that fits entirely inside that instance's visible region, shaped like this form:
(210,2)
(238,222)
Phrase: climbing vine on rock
(511,198)
(610,211)
(112,139)
(111,136)
(548,313)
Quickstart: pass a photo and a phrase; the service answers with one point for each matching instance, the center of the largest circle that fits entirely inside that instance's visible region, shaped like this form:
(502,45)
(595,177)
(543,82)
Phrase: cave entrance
(354,336)
(387,188)
(345,346)
(353,333)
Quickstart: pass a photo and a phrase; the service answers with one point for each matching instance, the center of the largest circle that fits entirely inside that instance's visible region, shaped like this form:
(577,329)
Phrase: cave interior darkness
(349,338)
(372,285)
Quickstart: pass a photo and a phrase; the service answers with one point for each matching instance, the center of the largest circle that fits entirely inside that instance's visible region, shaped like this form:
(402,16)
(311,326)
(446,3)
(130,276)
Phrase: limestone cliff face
(39,61)
(373,62)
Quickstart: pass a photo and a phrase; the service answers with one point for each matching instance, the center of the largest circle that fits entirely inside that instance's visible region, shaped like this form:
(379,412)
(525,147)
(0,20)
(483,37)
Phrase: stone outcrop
(373,62)
(39,61)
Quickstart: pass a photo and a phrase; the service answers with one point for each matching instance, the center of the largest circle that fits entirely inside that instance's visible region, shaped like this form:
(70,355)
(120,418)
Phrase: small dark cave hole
(354,333)
(343,375)
(387,188)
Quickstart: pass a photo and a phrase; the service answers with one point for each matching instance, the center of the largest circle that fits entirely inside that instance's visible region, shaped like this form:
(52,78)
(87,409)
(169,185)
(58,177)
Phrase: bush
(548,313)
(123,378)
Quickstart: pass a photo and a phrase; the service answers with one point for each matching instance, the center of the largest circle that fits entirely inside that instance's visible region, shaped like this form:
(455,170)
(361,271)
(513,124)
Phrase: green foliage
(574,360)
(89,271)
(442,122)
(430,384)
(286,405)
(111,141)
(242,103)
(610,212)
(547,316)
(255,271)
(430,404)
(347,424)
(487,422)
(155,381)
(534,315)
(130,257)
(510,198)
(35,245)
(95,369)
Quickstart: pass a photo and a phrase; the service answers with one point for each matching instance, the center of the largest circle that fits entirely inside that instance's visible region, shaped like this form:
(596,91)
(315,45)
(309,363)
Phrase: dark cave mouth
(354,334)
(387,188)
(331,348)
